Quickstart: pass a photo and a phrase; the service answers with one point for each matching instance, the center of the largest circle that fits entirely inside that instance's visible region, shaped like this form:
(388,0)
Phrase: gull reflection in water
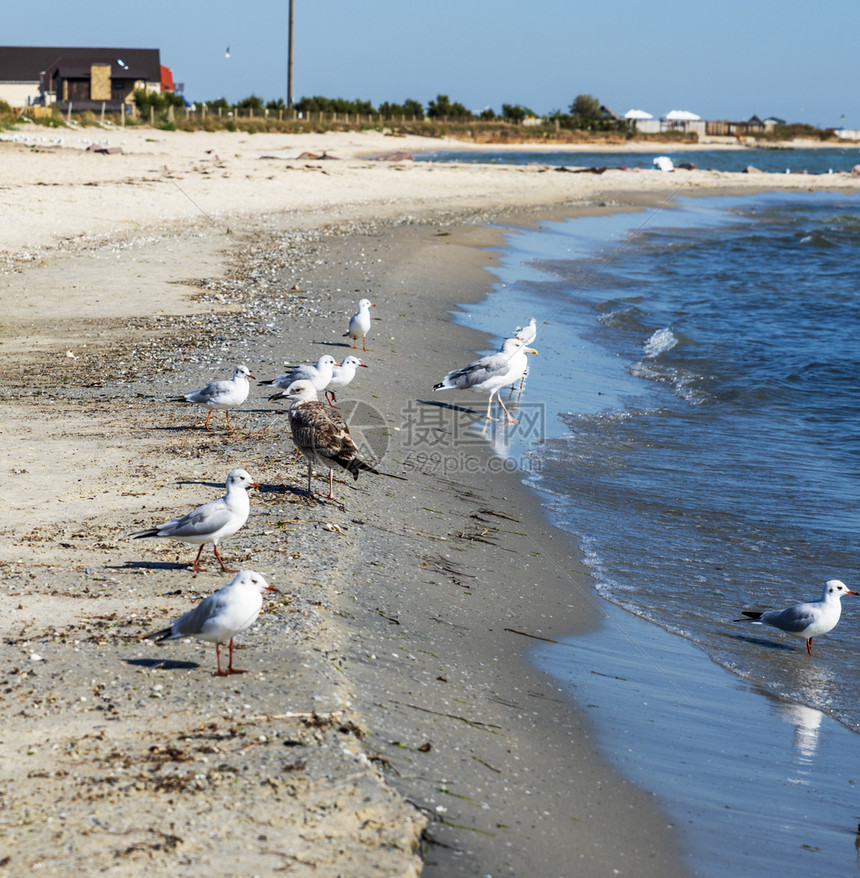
(807,727)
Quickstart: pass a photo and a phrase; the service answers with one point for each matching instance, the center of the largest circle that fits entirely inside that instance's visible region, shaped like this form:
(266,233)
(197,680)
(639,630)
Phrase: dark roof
(26,63)
(72,68)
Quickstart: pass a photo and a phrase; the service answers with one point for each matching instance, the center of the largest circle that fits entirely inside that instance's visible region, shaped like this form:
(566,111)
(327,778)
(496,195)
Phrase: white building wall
(19,94)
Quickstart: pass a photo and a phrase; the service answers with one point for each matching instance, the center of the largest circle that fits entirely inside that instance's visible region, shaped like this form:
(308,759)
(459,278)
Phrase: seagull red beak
(254,485)
(270,587)
(850,592)
(252,376)
(363,365)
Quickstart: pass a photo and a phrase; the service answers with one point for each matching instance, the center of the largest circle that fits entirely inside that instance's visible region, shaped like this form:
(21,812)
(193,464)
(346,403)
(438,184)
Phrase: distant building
(755,125)
(86,78)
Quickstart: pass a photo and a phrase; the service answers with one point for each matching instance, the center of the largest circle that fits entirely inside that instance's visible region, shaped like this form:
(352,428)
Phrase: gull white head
(239,478)
(250,579)
(326,360)
(352,363)
(242,371)
(364,304)
(513,345)
(836,588)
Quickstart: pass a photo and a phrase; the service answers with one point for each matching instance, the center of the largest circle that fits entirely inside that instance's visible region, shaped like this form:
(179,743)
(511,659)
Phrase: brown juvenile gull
(359,324)
(490,374)
(219,617)
(322,435)
(222,395)
(211,522)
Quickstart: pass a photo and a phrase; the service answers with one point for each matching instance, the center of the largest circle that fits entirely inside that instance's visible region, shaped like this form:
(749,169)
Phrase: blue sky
(722,60)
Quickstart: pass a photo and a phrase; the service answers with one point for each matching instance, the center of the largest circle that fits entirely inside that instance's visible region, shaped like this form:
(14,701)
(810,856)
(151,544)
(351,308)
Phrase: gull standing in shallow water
(359,324)
(322,435)
(808,620)
(221,616)
(319,374)
(222,395)
(211,522)
(341,376)
(490,374)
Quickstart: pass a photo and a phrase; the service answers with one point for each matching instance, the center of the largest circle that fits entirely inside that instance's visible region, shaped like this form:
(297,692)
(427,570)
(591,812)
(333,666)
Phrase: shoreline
(128,459)
(688,729)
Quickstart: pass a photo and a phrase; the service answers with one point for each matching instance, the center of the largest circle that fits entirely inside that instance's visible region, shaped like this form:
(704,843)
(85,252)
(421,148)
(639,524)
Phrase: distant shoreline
(721,143)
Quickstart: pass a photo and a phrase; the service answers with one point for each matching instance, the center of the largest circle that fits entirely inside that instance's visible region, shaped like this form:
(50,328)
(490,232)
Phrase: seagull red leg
(207,419)
(230,668)
(227,415)
(196,565)
(219,672)
(809,646)
(218,556)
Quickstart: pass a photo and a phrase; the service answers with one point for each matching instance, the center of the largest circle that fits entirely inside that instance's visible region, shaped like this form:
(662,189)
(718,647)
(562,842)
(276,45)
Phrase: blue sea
(822,160)
(697,379)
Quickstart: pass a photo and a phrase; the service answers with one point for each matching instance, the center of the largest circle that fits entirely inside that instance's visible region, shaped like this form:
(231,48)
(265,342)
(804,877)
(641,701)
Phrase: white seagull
(341,376)
(222,395)
(211,522)
(808,620)
(490,374)
(319,374)
(219,617)
(526,334)
(322,435)
(359,324)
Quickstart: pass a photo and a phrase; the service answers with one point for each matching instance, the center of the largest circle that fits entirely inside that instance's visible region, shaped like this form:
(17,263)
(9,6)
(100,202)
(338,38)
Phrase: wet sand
(391,721)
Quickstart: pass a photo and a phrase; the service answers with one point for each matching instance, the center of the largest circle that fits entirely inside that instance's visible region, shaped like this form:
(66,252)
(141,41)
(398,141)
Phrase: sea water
(820,160)
(697,377)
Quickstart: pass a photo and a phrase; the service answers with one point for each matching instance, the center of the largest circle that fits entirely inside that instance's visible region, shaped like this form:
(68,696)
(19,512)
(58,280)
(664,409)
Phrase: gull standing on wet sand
(359,324)
(219,617)
(322,435)
(808,620)
(490,374)
(222,395)
(211,522)
(319,374)
(341,376)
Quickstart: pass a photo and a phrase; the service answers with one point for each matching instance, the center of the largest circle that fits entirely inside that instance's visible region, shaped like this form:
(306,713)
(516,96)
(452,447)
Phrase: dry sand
(389,691)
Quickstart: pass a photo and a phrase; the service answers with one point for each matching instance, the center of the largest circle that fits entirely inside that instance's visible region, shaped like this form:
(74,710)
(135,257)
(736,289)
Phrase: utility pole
(290,61)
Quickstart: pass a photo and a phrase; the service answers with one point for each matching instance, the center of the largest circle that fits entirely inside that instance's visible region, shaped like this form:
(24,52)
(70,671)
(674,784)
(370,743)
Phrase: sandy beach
(390,722)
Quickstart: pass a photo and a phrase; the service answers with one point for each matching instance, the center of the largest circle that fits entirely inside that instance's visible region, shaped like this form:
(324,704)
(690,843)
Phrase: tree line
(584,112)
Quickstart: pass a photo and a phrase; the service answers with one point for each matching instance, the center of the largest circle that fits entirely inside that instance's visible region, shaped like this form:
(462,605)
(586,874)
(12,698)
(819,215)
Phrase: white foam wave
(660,342)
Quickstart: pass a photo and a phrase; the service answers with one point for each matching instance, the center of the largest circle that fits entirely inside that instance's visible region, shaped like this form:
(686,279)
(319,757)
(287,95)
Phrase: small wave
(625,319)
(685,385)
(661,341)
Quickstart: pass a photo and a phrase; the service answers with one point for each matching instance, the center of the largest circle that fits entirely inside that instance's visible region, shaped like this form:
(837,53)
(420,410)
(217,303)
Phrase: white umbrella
(637,114)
